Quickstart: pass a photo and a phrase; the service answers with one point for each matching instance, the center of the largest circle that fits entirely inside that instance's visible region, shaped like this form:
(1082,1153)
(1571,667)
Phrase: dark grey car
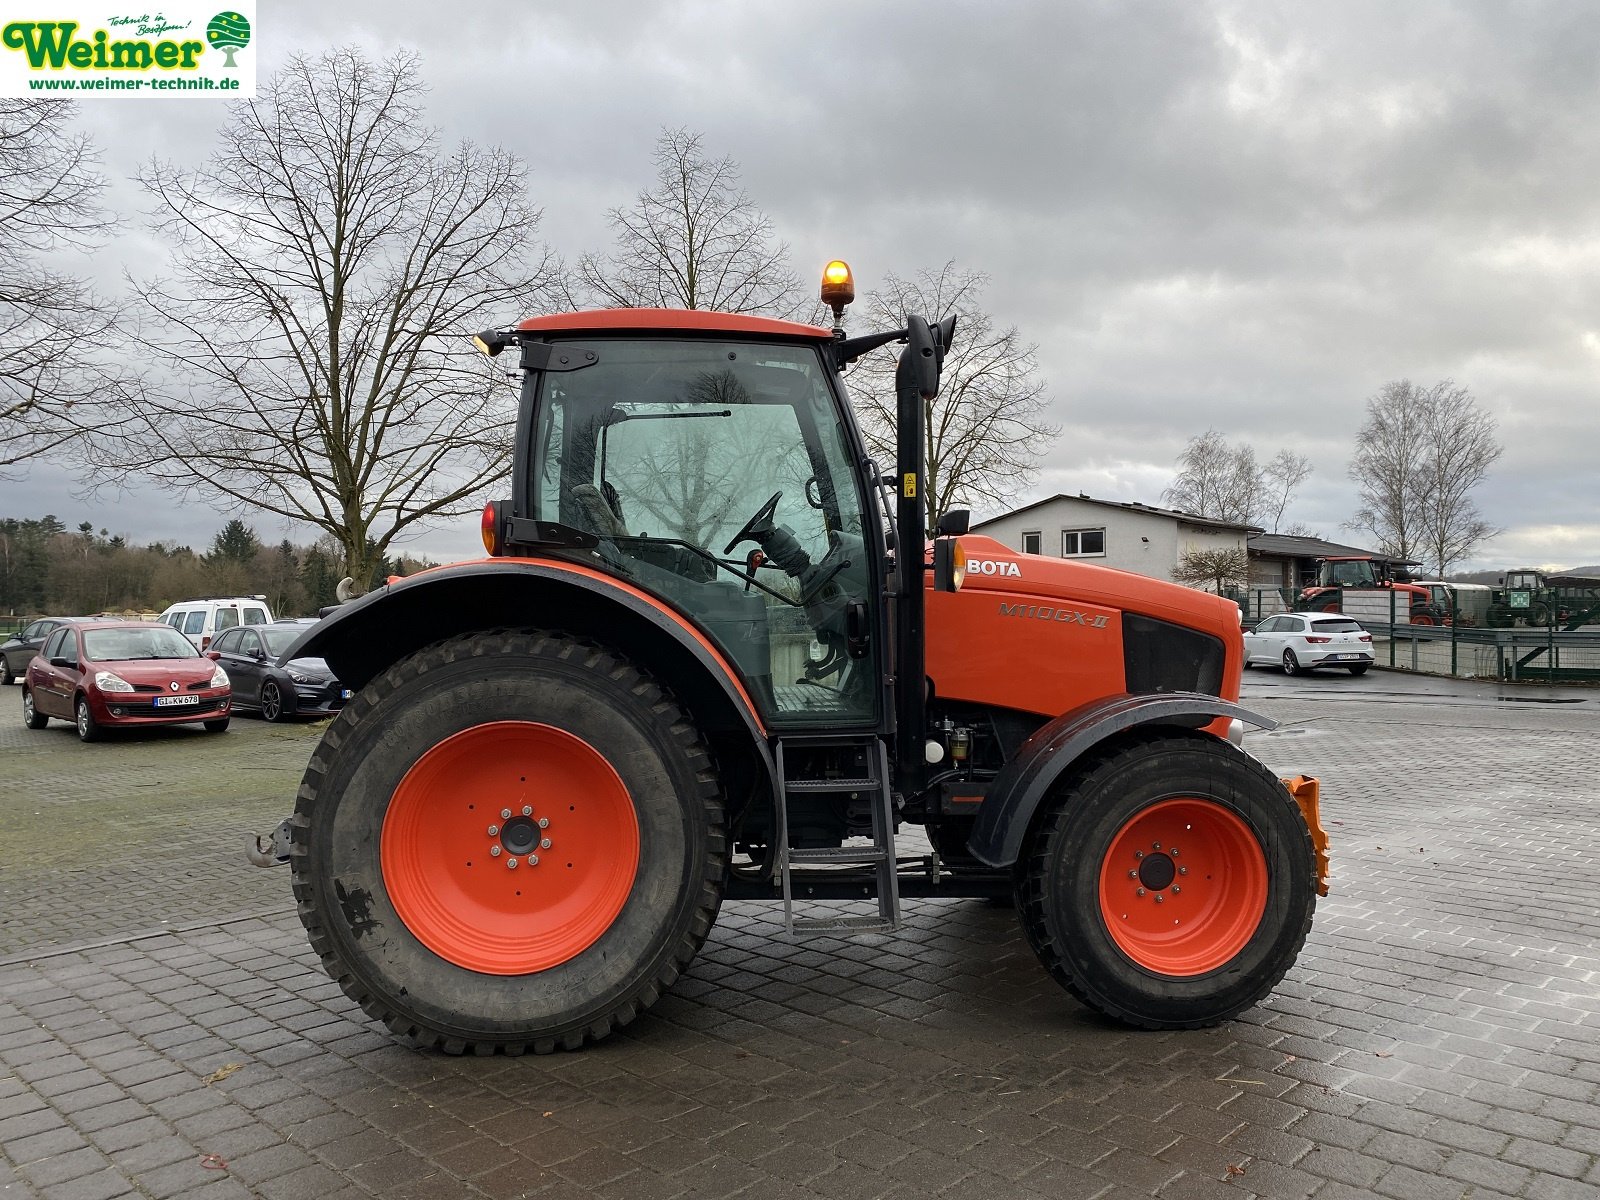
(17,651)
(303,687)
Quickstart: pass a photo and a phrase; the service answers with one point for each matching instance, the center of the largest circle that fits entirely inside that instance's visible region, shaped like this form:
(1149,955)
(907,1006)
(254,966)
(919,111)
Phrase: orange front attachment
(510,847)
(1307,793)
(1183,886)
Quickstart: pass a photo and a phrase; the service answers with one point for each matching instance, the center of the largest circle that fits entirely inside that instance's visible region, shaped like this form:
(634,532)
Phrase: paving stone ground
(166,1032)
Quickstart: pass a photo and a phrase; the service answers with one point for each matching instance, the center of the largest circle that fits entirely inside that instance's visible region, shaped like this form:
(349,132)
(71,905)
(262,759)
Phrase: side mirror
(214,655)
(58,661)
(954,523)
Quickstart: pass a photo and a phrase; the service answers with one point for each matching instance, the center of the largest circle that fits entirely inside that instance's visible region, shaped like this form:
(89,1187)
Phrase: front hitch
(271,850)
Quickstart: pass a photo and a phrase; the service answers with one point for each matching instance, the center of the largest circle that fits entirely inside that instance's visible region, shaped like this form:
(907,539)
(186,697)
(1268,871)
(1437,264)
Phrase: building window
(1030,542)
(1083,543)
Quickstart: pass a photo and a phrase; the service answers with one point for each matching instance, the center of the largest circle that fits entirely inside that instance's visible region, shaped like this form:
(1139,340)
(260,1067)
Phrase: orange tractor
(715,654)
(1370,589)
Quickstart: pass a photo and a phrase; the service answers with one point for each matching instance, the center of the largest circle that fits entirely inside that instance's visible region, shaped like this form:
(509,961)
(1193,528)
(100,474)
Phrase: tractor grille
(1158,656)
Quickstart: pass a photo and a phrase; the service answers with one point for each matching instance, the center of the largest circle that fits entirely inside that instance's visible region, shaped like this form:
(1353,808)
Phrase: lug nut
(1155,845)
(1133,874)
(1138,853)
(493,829)
(511,863)
(1140,892)
(527,810)
(544,843)
(533,860)
(1173,852)
(544,822)
(1183,870)
(1176,889)
(505,814)
(1159,896)
(494,851)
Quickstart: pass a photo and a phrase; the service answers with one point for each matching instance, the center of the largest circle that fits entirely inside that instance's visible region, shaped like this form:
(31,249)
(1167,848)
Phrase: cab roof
(672,320)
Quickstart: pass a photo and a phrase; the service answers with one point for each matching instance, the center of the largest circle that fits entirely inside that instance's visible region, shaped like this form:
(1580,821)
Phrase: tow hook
(271,850)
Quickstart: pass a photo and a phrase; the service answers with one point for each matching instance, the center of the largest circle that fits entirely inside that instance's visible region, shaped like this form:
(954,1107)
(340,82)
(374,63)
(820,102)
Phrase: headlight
(219,677)
(107,682)
(299,678)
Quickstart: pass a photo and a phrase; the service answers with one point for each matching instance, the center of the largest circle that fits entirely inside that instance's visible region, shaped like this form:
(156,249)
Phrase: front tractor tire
(1170,885)
(509,841)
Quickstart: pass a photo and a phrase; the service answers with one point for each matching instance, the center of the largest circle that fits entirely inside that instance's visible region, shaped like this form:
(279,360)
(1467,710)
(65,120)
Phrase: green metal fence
(1464,645)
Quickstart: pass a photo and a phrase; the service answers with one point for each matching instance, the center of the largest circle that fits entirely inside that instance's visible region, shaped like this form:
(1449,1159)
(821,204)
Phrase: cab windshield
(717,474)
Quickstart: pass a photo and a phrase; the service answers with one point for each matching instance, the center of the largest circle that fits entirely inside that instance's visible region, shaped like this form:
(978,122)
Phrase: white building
(1131,537)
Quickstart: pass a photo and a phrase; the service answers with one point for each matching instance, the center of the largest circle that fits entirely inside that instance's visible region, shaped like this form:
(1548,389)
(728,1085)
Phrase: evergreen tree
(235,542)
(320,579)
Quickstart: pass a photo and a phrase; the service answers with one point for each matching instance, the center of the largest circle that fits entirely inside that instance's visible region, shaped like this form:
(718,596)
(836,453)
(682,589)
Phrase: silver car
(1298,642)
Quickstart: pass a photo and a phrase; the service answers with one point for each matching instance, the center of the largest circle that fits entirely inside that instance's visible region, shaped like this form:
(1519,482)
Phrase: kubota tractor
(712,655)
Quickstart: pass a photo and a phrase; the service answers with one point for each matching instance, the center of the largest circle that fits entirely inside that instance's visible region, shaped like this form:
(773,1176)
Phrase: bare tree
(1418,457)
(330,260)
(986,428)
(1281,479)
(52,326)
(1217,567)
(695,240)
(1217,479)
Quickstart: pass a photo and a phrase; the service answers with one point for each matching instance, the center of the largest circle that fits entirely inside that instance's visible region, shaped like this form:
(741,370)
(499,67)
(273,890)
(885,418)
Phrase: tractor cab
(716,472)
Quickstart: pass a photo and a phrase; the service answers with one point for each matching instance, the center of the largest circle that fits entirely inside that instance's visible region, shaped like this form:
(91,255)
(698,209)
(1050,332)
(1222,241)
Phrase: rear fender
(362,639)
(1054,749)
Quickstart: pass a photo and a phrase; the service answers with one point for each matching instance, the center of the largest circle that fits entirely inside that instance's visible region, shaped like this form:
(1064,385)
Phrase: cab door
(720,476)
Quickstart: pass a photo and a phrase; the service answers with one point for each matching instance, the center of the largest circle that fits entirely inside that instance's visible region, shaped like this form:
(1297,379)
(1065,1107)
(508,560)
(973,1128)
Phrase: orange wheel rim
(510,847)
(1183,886)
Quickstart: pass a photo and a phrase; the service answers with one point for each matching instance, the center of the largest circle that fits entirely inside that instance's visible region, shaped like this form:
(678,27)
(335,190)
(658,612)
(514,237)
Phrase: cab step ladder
(880,855)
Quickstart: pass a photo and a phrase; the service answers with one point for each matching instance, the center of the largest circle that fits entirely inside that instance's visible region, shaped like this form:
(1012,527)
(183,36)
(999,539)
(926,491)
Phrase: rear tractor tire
(509,841)
(1171,884)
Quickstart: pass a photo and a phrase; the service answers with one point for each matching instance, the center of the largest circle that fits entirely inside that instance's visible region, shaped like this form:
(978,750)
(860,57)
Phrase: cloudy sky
(1240,216)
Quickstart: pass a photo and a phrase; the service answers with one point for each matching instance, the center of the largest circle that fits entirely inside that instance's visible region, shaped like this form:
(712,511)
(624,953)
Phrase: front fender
(1011,801)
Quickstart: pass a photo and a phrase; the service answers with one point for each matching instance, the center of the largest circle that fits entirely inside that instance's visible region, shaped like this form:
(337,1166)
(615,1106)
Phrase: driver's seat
(601,511)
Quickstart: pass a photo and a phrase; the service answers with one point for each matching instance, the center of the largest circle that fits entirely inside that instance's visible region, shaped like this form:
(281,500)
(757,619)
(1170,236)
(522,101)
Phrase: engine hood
(1045,635)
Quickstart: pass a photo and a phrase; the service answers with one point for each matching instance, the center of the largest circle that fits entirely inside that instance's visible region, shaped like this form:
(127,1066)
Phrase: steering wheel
(753,527)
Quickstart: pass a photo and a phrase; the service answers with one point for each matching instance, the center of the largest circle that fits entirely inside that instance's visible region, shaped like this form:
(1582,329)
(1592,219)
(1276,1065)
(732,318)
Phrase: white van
(202,619)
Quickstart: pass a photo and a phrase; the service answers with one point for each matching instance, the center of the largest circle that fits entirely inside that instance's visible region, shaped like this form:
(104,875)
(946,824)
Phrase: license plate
(1342,657)
(176,701)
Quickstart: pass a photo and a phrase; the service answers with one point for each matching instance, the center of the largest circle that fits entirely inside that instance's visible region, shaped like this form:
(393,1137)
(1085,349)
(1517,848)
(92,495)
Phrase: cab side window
(255,616)
(194,622)
(227,618)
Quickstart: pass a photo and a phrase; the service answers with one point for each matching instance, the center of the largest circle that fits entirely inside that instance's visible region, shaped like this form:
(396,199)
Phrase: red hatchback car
(123,674)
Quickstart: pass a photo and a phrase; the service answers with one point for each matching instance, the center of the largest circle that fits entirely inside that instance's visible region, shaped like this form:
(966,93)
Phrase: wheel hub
(520,835)
(1157,871)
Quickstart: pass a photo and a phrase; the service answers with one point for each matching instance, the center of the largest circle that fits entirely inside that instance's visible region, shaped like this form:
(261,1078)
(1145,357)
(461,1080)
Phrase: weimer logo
(100,48)
(51,44)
